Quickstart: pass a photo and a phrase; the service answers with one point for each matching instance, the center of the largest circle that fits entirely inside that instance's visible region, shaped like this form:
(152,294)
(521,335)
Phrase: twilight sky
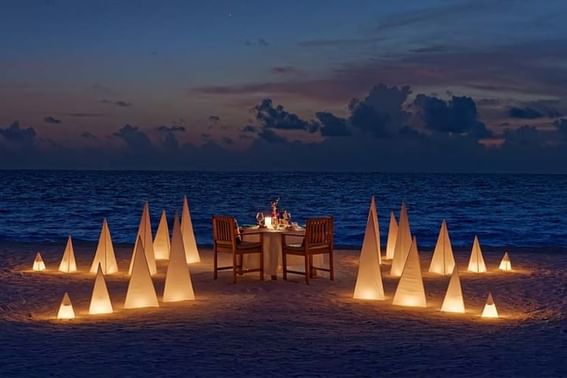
(419,86)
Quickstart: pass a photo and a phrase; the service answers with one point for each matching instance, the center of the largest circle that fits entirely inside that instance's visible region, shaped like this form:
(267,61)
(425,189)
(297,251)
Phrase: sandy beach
(279,328)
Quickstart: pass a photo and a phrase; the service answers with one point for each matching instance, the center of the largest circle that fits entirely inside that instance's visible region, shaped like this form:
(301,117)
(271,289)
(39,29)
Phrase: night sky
(409,86)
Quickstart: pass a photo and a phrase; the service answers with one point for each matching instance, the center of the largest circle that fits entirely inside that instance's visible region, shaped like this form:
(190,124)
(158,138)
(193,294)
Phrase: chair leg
(307,269)
(311,270)
(261,265)
(215,263)
(284,265)
(234,267)
(331,266)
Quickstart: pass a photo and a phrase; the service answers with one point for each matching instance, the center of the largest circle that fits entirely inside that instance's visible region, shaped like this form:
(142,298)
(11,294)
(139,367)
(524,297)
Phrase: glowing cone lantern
(100,299)
(145,237)
(410,291)
(104,256)
(476,262)
(66,308)
(369,279)
(141,291)
(505,264)
(392,235)
(489,310)
(189,241)
(38,264)
(161,242)
(454,301)
(403,243)
(443,261)
(68,263)
(178,285)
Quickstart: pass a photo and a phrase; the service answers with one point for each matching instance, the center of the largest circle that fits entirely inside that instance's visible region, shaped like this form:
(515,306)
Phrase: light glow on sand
(505,264)
(489,310)
(38,264)
(66,311)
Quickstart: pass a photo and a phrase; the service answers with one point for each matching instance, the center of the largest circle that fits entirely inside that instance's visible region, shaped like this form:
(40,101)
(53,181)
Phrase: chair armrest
(284,235)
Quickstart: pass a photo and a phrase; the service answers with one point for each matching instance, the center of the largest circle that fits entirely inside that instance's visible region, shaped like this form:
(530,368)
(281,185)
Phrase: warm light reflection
(38,264)
(505,264)
(66,308)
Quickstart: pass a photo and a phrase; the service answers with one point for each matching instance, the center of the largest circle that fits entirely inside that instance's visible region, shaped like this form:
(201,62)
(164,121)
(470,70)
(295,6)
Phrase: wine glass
(260,218)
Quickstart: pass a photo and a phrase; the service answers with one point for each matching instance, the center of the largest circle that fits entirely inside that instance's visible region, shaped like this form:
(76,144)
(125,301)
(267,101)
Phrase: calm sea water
(504,210)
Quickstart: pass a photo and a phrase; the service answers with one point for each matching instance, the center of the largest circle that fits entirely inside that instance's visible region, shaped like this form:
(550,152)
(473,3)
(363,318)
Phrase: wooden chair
(226,240)
(318,241)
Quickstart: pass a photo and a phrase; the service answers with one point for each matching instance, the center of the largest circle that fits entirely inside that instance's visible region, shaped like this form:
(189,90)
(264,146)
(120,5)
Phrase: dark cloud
(261,42)
(524,113)
(15,134)
(270,136)
(332,126)
(134,138)
(278,118)
(214,118)
(561,125)
(249,129)
(83,115)
(88,135)
(525,135)
(171,129)
(341,42)
(381,113)
(456,116)
(120,103)
(284,70)
(52,120)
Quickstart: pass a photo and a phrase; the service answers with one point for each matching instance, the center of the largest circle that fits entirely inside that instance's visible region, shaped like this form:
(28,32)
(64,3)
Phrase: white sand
(278,328)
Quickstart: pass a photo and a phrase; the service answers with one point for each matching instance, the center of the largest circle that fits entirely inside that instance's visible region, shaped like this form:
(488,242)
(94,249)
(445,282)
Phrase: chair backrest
(319,231)
(224,230)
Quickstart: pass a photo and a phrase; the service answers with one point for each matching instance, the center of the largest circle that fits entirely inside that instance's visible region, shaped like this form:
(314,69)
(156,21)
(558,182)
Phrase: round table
(273,249)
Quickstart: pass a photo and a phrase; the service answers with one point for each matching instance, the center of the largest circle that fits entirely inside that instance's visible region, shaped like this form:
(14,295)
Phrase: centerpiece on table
(277,218)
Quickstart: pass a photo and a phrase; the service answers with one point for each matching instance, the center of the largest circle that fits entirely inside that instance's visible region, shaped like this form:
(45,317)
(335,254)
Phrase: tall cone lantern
(145,237)
(38,264)
(392,236)
(161,242)
(369,279)
(178,285)
(68,263)
(403,243)
(104,255)
(189,241)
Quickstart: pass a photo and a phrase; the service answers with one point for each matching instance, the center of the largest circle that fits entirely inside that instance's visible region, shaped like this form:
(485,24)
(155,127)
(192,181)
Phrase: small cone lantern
(369,279)
(505,264)
(66,308)
(189,241)
(453,301)
(161,242)
(403,243)
(489,310)
(410,291)
(141,291)
(38,264)
(100,299)
(476,262)
(68,263)
(443,261)
(178,285)
(104,256)
(392,235)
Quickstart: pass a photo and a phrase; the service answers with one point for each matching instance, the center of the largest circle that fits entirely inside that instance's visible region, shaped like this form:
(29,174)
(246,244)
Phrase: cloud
(284,70)
(119,103)
(214,118)
(171,129)
(261,42)
(278,118)
(456,116)
(332,126)
(249,129)
(17,135)
(381,113)
(88,135)
(135,139)
(341,42)
(270,136)
(524,113)
(52,120)
(83,115)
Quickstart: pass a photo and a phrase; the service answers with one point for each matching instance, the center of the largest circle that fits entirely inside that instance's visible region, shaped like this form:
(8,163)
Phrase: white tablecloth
(273,251)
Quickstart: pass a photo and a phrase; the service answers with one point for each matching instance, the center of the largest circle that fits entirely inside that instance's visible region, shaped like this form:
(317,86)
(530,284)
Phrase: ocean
(503,210)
